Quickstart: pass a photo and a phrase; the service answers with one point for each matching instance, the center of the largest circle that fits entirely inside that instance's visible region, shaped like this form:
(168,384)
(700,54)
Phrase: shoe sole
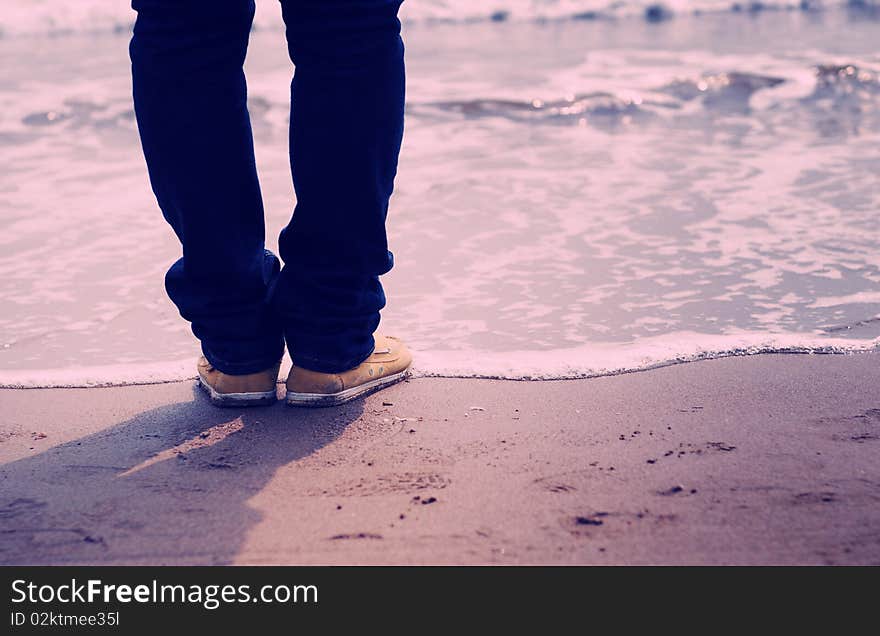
(238,399)
(317,400)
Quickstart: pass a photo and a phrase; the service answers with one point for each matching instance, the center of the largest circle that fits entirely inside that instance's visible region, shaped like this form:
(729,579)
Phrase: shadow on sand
(170,485)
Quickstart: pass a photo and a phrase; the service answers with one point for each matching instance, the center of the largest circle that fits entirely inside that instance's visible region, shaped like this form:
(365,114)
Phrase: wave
(587,361)
(55,17)
(841,90)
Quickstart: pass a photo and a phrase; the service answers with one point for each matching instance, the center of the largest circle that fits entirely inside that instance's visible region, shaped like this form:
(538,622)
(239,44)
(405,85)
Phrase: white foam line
(587,361)
(604,360)
(99,376)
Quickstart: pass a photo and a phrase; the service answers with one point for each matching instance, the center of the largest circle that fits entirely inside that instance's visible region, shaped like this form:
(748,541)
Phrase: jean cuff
(325,365)
(243,368)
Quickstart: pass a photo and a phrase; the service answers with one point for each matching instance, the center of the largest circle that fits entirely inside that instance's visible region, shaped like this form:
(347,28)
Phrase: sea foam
(587,361)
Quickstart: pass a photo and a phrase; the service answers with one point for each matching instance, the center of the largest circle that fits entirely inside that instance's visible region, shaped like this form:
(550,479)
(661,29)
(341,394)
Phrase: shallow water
(574,196)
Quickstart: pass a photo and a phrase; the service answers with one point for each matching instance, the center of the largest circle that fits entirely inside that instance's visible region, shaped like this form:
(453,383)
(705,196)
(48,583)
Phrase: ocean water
(585,188)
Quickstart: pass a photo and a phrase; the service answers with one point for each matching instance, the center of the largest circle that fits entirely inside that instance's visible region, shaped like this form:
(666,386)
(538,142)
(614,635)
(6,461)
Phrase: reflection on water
(562,186)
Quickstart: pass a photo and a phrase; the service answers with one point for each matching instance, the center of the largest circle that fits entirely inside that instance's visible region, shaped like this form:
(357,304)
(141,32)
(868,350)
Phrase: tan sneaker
(253,389)
(389,363)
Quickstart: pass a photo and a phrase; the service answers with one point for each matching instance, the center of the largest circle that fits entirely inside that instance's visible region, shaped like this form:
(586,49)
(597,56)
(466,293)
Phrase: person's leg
(345,133)
(191,104)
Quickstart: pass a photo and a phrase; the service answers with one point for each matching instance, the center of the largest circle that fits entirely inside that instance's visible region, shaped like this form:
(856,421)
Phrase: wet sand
(766,459)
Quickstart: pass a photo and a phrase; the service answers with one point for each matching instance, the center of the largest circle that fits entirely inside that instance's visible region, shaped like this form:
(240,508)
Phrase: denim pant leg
(347,99)
(190,100)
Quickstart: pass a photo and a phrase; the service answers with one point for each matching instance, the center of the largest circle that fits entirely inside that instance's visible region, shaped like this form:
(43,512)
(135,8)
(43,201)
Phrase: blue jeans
(346,126)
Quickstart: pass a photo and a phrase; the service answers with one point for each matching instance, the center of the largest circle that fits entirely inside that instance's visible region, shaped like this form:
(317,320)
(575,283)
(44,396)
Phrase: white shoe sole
(238,399)
(335,399)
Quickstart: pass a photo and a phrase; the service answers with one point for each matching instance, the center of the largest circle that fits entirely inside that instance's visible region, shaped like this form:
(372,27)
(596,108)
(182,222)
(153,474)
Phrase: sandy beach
(768,459)
(636,257)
